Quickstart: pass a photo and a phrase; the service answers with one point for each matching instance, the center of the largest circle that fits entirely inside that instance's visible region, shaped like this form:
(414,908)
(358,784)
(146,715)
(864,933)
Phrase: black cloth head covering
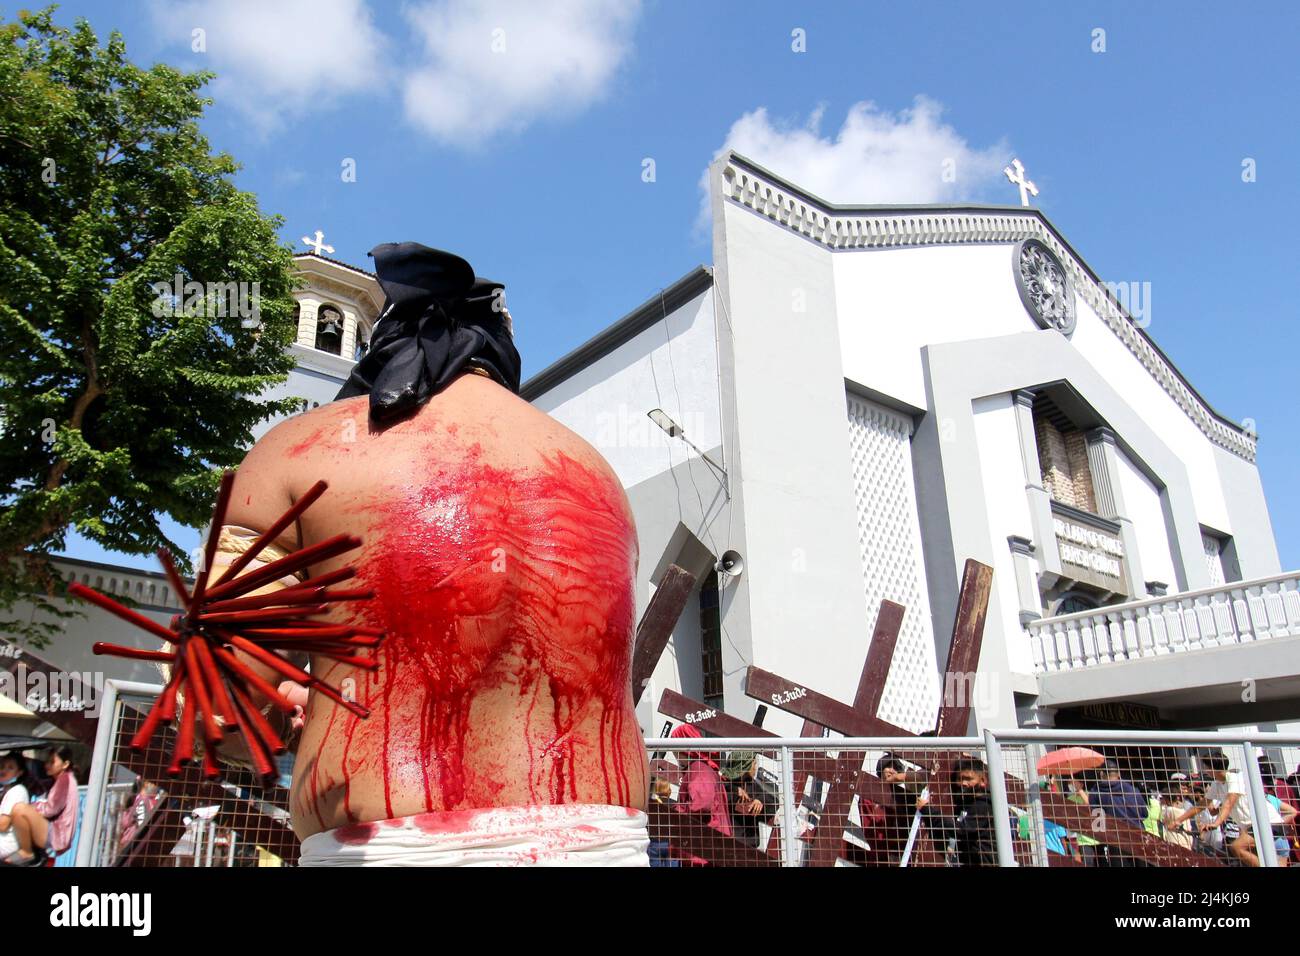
(437,318)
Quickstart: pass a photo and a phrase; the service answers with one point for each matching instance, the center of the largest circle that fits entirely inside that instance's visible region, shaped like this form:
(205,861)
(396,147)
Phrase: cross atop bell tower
(318,244)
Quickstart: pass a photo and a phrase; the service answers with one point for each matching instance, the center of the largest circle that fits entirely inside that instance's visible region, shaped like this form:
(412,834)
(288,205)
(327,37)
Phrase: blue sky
(531,166)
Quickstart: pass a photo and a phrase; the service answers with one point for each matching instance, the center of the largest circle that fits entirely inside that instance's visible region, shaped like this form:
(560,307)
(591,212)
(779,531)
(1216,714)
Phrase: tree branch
(92,391)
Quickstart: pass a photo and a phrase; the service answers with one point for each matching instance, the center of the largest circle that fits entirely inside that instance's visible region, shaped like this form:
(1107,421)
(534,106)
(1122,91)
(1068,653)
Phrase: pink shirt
(703,790)
(59,806)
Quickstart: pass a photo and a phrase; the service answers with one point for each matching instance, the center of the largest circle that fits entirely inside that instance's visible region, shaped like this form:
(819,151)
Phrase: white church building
(857,399)
(853,400)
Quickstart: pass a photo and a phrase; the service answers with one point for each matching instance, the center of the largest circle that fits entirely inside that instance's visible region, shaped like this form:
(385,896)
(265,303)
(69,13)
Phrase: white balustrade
(1236,613)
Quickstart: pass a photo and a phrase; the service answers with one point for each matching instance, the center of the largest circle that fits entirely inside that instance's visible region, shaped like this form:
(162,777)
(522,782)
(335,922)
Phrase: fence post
(1033,753)
(92,811)
(101,760)
(198,823)
(212,843)
(998,791)
(789,839)
(1261,828)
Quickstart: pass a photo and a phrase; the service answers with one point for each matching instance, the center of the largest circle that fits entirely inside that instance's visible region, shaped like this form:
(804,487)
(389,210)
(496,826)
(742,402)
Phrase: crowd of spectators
(38,807)
(1206,811)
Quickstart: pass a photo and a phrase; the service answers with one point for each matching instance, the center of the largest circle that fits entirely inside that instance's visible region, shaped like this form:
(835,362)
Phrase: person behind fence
(1072,787)
(969,834)
(1153,822)
(1173,802)
(1287,815)
(1274,782)
(752,802)
(146,797)
(701,791)
(1275,785)
(894,821)
(1208,839)
(661,793)
(13,791)
(1056,838)
(1227,796)
(1117,796)
(45,828)
(1118,800)
(502,553)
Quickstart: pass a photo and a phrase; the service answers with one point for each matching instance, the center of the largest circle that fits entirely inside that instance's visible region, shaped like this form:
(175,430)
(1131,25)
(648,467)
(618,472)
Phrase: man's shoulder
(289,434)
(555,443)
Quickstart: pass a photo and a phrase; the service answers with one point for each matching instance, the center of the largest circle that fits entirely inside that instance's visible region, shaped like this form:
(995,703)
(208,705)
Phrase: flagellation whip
(221,619)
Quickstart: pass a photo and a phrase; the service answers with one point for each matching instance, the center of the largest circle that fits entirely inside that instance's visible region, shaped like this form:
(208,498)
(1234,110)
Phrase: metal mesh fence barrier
(147,816)
(1027,798)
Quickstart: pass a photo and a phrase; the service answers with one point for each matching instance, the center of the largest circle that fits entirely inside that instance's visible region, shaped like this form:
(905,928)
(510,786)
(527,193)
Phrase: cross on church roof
(318,244)
(1016,174)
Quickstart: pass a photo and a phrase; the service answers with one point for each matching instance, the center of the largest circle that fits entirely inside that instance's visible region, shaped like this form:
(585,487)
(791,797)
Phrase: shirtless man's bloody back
(502,555)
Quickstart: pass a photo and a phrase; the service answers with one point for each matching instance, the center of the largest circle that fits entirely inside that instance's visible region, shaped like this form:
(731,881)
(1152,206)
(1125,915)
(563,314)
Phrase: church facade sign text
(1090,552)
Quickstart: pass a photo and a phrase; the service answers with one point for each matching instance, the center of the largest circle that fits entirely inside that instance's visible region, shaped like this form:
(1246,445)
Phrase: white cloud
(277,60)
(496,66)
(875,157)
(474,68)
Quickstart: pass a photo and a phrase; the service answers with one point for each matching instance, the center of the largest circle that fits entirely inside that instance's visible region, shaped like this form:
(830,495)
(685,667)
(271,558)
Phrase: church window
(1063,457)
(711,640)
(1075,602)
(1220,558)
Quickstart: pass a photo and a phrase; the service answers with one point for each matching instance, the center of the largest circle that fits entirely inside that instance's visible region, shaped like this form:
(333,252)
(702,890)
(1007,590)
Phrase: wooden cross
(848,779)
(823,713)
(657,624)
(953,719)
(652,636)
(845,773)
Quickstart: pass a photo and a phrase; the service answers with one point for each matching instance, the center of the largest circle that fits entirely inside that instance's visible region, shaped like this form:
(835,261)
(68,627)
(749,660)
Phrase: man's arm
(1224,810)
(940,826)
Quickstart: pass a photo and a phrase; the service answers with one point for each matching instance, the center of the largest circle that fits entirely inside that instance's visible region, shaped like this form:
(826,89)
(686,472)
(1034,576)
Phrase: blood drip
(494,582)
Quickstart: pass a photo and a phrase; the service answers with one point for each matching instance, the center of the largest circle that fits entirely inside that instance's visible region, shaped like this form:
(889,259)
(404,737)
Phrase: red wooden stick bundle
(211,688)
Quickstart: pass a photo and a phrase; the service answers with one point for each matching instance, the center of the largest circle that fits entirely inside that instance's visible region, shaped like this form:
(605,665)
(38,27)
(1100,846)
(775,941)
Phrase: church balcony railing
(1240,612)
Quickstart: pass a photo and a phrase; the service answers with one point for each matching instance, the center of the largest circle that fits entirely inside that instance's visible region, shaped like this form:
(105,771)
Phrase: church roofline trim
(114,568)
(899,226)
(338,262)
(364,285)
(652,310)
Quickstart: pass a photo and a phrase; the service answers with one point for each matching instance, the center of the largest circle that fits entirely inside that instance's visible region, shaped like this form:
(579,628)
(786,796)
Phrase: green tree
(118,402)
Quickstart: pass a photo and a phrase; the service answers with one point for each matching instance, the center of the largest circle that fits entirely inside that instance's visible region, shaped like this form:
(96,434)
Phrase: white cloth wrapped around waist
(552,835)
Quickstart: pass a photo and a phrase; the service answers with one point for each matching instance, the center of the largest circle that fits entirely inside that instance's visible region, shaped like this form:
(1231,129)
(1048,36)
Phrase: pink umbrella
(1070,760)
